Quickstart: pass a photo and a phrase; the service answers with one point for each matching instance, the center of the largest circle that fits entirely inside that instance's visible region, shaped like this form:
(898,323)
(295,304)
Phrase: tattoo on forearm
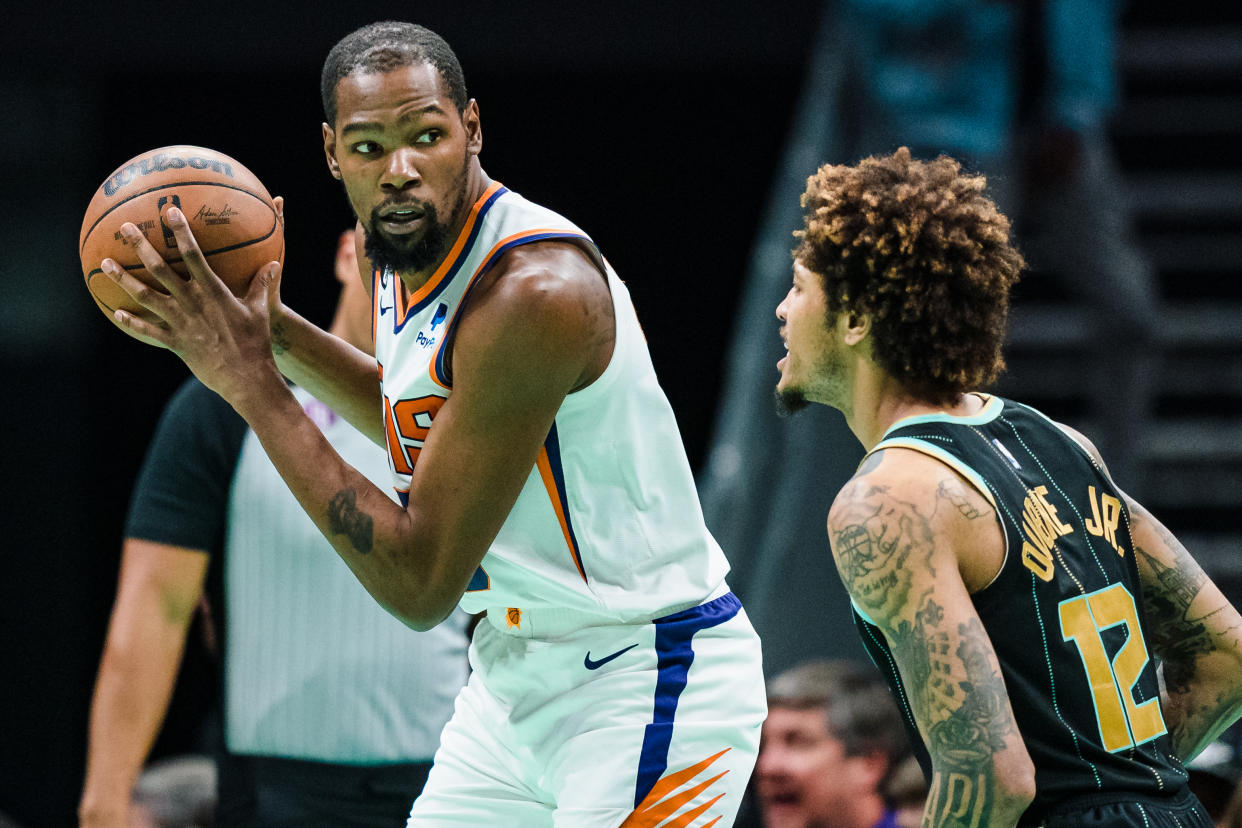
(280,339)
(1184,626)
(344,518)
(966,740)
(1176,637)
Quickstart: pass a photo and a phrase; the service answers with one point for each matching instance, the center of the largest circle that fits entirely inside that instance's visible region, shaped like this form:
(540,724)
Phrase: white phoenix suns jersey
(608,521)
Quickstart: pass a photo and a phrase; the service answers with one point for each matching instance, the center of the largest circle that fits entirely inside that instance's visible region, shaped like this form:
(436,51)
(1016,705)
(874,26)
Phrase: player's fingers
(153,261)
(191,253)
(142,330)
(264,287)
(153,300)
(279,203)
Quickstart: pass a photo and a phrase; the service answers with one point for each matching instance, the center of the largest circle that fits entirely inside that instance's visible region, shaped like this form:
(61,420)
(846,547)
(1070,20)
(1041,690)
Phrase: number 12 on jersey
(1123,722)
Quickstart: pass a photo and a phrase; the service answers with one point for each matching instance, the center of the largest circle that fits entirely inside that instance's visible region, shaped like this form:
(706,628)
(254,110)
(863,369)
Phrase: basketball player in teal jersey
(1018,602)
(541,474)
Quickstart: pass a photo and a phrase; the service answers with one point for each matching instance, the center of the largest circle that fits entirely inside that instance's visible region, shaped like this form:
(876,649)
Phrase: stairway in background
(1177,138)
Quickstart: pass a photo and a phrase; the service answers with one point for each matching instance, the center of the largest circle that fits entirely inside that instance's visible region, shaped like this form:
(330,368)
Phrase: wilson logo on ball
(232,216)
(159,163)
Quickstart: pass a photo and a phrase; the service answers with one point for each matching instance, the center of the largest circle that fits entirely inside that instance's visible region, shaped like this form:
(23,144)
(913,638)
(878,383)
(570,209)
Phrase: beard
(424,252)
(386,253)
(828,386)
(790,402)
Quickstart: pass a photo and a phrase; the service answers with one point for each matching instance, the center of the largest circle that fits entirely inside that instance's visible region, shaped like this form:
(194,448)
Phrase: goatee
(421,255)
(789,403)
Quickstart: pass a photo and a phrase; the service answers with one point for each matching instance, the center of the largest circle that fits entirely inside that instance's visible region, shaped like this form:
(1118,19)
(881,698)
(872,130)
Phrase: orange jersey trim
(404,304)
(550,482)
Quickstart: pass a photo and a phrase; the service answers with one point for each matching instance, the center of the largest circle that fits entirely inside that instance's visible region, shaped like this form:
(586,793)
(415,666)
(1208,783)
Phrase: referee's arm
(159,589)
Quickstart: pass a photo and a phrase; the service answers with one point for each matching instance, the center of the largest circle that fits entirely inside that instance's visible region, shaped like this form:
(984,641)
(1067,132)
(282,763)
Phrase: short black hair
(388,45)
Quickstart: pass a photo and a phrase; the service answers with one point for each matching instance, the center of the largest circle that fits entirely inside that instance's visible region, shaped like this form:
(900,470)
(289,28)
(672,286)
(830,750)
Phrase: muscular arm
(1192,628)
(896,531)
(159,587)
(1196,633)
(333,371)
(537,327)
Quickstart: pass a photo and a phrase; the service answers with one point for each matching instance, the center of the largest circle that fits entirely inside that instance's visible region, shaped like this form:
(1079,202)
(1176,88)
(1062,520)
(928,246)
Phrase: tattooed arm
(1196,633)
(896,531)
(1191,626)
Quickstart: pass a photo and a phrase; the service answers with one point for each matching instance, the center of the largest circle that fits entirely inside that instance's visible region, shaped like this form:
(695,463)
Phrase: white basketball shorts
(632,725)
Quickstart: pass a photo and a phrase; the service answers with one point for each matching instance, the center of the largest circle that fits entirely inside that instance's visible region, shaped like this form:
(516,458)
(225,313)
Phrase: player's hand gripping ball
(230,212)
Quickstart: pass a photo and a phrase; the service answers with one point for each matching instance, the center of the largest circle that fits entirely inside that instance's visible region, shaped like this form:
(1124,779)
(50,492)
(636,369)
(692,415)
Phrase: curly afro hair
(917,247)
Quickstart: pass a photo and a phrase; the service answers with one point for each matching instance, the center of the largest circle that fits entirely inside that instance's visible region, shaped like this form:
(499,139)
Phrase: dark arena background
(660,129)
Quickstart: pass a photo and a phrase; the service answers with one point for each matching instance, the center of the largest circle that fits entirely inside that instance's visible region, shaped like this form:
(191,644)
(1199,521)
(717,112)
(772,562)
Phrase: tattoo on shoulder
(344,518)
(870,463)
(878,542)
(959,497)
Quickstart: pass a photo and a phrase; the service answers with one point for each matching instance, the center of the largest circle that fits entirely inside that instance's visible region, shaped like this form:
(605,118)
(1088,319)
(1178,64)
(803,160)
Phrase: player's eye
(428,137)
(365,148)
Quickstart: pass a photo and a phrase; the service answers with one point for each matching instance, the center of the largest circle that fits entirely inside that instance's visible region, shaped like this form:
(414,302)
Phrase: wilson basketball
(228,209)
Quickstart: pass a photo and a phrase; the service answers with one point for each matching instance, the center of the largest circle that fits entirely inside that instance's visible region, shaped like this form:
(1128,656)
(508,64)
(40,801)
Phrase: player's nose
(401,170)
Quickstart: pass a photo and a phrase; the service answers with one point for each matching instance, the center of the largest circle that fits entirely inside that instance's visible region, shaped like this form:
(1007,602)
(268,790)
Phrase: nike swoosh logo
(384,310)
(595,665)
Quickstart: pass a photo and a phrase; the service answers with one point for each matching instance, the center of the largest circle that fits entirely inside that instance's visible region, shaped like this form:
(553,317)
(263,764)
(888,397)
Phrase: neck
(879,401)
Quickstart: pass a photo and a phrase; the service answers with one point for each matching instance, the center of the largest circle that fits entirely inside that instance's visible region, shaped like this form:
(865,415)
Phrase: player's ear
(474,128)
(329,150)
(855,326)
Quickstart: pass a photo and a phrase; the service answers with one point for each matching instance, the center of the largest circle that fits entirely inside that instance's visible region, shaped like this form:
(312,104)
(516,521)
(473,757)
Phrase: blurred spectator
(831,742)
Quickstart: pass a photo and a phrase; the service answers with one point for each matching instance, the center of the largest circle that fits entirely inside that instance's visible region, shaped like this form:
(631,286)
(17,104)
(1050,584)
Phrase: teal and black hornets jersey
(1064,613)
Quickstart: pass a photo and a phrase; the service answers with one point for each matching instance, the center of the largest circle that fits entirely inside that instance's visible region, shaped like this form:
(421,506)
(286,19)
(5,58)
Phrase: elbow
(1015,783)
(422,622)
(420,613)
(1021,791)
(420,589)
(1005,786)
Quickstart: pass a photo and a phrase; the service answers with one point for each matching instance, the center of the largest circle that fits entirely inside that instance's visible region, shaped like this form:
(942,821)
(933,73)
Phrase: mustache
(422,207)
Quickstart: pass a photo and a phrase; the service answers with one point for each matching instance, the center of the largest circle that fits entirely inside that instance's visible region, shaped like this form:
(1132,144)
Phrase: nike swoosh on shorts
(595,665)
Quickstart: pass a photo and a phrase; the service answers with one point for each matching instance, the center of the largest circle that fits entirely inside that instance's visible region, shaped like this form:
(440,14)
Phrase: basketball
(228,209)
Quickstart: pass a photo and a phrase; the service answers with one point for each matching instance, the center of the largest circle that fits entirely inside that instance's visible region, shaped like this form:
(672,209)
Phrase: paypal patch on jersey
(426,337)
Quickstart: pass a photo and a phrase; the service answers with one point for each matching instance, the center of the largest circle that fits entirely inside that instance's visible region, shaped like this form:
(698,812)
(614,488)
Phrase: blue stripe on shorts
(675,655)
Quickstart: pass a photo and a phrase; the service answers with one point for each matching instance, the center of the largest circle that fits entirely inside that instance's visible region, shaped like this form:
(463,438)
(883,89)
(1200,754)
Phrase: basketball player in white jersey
(616,679)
